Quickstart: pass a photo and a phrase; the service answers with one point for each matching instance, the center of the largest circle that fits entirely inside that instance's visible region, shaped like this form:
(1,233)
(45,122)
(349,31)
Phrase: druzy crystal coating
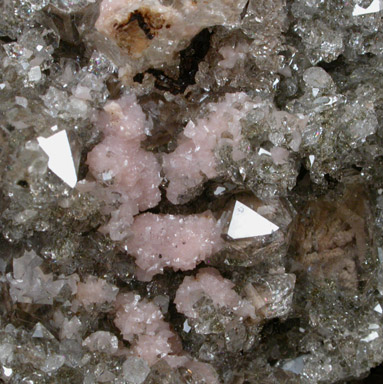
(191,191)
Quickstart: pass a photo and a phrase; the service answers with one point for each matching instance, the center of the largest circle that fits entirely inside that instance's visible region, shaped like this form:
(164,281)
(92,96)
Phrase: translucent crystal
(135,370)
(101,341)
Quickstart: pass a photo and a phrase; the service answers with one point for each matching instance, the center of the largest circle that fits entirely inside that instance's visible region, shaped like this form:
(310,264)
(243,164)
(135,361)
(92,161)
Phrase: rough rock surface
(181,120)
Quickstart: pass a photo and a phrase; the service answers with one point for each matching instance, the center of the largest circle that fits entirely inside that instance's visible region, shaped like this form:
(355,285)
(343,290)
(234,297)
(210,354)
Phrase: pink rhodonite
(194,159)
(179,242)
(130,175)
(142,324)
(95,291)
(208,282)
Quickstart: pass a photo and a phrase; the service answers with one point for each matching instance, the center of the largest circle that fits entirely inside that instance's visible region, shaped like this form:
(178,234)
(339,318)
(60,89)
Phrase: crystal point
(247,223)
(60,161)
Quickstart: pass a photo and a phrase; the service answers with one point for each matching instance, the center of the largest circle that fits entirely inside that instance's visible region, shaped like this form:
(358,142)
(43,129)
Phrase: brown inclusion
(134,34)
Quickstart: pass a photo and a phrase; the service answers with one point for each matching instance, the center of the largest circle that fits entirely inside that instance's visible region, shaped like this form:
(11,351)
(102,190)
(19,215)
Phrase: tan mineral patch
(331,237)
(134,34)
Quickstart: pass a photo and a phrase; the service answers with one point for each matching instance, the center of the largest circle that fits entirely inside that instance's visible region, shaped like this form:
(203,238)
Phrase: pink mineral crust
(180,242)
(95,291)
(208,282)
(194,159)
(142,323)
(279,155)
(130,176)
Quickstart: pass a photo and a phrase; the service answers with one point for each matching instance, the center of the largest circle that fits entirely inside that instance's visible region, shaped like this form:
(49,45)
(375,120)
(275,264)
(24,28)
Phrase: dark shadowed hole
(23,183)
(190,58)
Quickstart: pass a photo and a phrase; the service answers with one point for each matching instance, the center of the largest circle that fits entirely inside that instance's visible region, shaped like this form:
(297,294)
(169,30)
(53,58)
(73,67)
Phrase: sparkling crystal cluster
(191,191)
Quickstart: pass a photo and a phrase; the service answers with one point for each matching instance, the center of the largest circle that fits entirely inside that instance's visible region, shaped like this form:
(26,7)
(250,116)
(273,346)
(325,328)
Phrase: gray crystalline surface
(191,191)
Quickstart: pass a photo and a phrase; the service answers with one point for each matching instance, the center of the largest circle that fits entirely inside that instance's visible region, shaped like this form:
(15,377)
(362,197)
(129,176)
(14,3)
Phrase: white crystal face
(378,308)
(312,159)
(263,152)
(247,223)
(374,7)
(60,156)
(372,336)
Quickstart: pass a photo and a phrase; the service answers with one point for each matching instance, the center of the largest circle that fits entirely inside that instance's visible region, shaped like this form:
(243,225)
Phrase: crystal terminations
(191,191)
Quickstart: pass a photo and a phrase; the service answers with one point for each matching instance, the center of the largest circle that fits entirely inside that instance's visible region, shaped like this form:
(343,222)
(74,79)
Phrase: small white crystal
(247,223)
(77,107)
(82,93)
(296,365)
(34,74)
(378,308)
(187,327)
(106,176)
(7,371)
(302,330)
(39,48)
(54,128)
(263,152)
(60,156)
(372,336)
(315,91)
(374,7)
(22,101)
(2,86)
(312,159)
(219,191)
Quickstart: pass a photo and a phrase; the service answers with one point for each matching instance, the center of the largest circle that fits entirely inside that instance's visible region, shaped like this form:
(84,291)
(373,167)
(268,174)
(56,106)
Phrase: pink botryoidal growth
(142,324)
(95,291)
(208,282)
(128,174)
(179,242)
(194,159)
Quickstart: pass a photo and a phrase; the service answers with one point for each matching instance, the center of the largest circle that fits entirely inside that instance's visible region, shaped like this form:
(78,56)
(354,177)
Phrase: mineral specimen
(191,191)
(180,242)
(151,31)
(130,175)
(208,282)
(194,159)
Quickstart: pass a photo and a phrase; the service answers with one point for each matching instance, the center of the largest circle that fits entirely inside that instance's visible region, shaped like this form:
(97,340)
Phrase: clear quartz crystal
(135,370)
